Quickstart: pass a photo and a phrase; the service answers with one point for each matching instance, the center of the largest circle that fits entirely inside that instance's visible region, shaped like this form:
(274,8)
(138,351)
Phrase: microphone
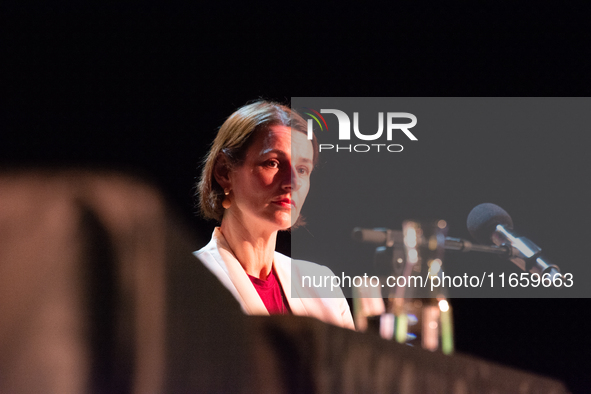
(394,238)
(488,222)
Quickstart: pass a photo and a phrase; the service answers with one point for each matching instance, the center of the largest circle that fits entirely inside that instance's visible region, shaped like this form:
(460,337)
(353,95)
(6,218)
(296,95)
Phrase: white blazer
(303,300)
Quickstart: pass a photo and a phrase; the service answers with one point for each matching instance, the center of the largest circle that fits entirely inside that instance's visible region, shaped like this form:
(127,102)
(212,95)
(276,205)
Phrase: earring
(226,203)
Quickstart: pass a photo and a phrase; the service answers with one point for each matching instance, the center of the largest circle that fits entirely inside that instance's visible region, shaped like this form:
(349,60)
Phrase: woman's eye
(303,171)
(272,163)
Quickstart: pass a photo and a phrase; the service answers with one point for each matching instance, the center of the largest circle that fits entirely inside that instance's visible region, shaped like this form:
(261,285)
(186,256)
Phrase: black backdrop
(144,88)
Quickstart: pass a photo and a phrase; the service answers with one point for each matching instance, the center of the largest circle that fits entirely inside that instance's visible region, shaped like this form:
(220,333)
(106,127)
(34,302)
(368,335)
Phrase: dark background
(143,88)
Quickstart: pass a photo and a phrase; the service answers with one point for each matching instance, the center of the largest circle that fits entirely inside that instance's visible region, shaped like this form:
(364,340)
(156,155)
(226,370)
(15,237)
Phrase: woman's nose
(290,179)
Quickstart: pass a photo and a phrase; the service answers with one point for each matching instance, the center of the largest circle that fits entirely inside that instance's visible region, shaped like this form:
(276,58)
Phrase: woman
(255,180)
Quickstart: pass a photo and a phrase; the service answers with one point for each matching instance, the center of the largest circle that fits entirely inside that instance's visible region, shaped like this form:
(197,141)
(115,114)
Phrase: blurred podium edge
(99,293)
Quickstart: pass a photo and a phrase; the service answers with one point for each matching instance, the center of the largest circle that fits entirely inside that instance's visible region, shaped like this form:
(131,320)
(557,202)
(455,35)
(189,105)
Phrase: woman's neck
(253,247)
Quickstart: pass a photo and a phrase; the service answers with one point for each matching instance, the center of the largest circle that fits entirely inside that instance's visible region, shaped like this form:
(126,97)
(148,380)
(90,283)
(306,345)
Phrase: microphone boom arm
(390,238)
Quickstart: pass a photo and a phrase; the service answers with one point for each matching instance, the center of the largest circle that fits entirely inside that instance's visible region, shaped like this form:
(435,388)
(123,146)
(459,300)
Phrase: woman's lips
(285,202)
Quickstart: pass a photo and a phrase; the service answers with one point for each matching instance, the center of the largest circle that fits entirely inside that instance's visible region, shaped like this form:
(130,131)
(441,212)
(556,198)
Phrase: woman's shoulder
(212,247)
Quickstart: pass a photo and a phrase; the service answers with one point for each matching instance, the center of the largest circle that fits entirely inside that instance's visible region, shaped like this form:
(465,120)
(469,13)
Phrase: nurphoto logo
(345,130)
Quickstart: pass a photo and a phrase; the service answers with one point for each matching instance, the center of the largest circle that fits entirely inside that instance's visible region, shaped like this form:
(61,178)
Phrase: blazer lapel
(282,266)
(249,298)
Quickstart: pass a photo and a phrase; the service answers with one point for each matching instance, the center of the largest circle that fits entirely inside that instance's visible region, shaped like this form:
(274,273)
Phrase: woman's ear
(221,171)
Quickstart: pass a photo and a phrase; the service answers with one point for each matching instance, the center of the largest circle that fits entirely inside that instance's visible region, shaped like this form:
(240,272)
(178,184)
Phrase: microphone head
(483,220)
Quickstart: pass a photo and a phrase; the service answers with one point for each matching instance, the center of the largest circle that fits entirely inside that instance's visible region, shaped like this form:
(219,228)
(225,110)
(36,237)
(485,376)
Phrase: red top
(271,294)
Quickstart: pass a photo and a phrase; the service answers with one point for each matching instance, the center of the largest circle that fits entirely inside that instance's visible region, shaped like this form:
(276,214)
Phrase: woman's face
(270,187)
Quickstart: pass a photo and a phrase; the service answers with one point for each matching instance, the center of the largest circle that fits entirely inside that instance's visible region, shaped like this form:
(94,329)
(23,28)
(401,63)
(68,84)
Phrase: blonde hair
(233,140)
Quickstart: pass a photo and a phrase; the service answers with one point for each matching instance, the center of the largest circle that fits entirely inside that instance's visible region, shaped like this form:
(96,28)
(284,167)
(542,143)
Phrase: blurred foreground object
(99,293)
